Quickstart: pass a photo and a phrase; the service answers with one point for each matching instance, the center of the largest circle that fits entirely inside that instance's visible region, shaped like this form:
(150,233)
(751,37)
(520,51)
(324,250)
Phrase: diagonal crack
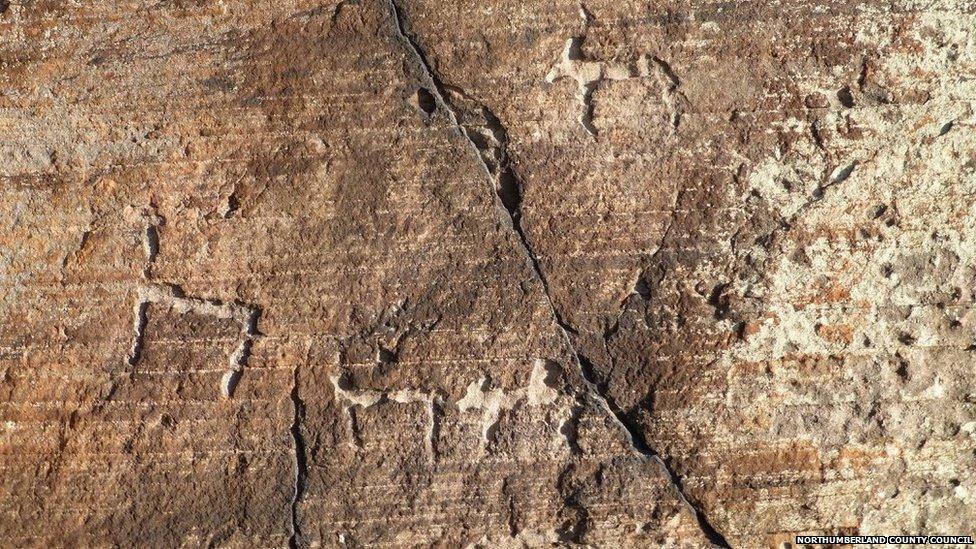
(508,197)
(492,153)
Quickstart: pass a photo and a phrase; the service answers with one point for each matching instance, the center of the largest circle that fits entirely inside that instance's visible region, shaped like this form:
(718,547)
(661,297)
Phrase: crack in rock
(508,192)
(301,460)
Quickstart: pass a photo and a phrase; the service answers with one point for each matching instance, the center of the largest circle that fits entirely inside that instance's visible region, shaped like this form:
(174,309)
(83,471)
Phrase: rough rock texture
(488,274)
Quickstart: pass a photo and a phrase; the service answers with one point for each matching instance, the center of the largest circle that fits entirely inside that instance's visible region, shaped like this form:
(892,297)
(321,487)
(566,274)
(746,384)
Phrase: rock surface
(499,274)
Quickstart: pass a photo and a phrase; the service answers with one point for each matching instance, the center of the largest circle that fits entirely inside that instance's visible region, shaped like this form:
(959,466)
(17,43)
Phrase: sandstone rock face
(399,273)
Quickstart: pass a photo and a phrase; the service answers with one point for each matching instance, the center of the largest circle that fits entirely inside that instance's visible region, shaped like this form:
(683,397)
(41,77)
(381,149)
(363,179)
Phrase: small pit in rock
(845,97)
(424,100)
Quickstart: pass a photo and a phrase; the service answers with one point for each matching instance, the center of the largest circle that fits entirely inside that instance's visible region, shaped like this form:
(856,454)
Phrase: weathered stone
(414,273)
